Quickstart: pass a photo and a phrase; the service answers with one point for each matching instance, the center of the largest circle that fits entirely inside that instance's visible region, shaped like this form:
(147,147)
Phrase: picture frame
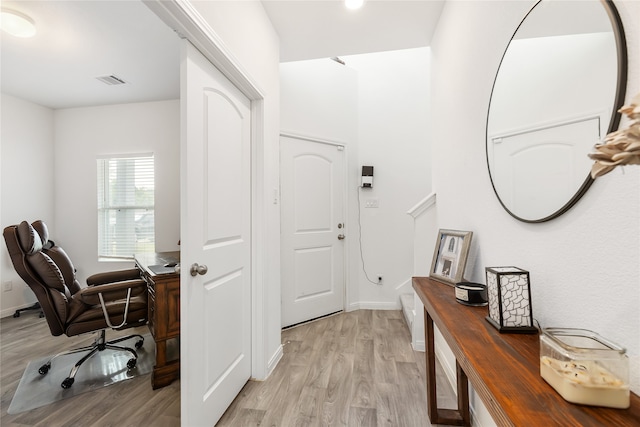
(450,256)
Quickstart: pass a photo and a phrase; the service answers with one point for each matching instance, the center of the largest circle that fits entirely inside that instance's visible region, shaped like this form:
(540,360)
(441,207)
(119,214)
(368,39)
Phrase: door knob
(341,236)
(198,269)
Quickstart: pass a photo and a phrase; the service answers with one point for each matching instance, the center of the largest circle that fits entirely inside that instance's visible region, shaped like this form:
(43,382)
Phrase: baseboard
(372,305)
(275,359)
(419,346)
(271,365)
(7,312)
(10,311)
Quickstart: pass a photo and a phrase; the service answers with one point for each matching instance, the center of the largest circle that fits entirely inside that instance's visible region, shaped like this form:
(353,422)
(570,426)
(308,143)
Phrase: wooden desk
(504,369)
(164,315)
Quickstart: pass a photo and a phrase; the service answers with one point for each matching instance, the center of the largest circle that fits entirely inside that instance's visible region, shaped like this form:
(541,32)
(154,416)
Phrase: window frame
(107,233)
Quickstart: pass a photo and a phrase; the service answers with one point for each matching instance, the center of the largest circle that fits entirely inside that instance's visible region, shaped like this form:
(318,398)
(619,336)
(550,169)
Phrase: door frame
(345,200)
(183,18)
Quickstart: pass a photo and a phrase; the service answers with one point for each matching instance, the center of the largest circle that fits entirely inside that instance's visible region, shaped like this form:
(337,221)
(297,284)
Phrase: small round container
(469,293)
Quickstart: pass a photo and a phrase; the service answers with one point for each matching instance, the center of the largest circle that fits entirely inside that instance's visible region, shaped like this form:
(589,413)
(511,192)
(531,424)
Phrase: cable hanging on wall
(364,270)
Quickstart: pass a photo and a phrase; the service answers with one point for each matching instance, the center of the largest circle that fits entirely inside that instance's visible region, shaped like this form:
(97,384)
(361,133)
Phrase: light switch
(372,203)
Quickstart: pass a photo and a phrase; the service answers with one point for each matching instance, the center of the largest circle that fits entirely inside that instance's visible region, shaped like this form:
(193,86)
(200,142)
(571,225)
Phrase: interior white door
(537,171)
(312,227)
(216,218)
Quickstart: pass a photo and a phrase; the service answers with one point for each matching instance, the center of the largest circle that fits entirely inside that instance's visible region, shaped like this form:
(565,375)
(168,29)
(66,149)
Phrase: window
(126,222)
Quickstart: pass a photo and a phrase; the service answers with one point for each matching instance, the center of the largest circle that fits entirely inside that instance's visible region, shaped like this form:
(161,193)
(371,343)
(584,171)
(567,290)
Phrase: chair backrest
(45,268)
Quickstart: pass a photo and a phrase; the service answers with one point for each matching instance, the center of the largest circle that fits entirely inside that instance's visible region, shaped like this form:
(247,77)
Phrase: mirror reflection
(554,97)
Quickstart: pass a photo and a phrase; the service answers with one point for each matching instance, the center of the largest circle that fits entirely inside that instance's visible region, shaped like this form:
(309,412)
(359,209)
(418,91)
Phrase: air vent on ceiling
(111,80)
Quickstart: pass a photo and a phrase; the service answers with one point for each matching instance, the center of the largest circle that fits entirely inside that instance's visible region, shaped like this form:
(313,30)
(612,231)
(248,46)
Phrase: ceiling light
(17,24)
(353,4)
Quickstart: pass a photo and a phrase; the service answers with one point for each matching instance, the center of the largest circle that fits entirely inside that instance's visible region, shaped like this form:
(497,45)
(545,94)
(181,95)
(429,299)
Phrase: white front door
(313,228)
(216,234)
(537,170)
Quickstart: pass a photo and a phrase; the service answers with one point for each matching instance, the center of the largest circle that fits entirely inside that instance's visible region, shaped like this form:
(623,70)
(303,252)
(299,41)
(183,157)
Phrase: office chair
(116,300)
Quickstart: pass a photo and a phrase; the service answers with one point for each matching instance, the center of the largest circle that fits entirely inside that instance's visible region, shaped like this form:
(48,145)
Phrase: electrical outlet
(7,286)
(379,279)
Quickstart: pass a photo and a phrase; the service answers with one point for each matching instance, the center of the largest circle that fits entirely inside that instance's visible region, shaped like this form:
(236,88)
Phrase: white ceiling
(78,41)
(326,28)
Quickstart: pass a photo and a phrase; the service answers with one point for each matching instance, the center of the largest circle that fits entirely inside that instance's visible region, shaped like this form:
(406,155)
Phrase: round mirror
(556,94)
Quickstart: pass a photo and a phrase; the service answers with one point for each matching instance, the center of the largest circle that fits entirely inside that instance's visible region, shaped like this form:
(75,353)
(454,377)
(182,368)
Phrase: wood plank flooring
(350,369)
(127,403)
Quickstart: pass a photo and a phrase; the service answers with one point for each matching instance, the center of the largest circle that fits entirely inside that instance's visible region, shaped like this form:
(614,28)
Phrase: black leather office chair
(116,300)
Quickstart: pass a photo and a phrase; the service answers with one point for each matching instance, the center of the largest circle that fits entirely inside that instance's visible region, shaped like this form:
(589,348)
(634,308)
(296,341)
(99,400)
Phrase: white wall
(584,264)
(566,56)
(247,33)
(393,136)
(49,173)
(27,183)
(319,98)
(82,135)
(377,104)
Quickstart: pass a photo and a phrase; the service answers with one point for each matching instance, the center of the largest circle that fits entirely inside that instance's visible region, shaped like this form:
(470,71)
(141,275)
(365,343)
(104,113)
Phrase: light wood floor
(128,403)
(350,369)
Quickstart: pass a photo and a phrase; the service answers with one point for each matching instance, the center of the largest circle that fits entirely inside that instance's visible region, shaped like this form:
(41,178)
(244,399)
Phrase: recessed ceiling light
(17,24)
(353,4)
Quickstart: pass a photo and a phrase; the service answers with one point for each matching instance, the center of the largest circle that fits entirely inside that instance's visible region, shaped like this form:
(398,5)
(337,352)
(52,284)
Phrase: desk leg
(457,417)
(164,372)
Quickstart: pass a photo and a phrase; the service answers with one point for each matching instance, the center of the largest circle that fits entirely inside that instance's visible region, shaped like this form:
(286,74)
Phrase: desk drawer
(151,285)
(164,308)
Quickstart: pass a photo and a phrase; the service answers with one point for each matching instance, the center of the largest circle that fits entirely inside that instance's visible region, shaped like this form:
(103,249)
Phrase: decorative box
(509,296)
(584,367)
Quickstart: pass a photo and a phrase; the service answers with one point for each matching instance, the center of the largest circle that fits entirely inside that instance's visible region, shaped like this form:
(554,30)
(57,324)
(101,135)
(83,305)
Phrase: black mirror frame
(621,86)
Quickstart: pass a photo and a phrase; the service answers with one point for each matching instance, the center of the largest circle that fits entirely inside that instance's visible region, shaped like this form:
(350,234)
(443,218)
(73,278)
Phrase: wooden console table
(504,369)
(164,314)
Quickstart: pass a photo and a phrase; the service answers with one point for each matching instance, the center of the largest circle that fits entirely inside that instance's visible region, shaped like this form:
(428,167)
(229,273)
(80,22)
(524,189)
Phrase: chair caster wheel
(44,369)
(139,344)
(131,363)
(67,383)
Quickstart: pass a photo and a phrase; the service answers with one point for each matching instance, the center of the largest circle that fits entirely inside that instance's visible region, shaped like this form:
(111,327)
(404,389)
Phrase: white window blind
(126,222)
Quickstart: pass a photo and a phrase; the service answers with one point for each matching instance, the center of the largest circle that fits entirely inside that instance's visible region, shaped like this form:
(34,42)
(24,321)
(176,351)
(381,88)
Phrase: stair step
(408,308)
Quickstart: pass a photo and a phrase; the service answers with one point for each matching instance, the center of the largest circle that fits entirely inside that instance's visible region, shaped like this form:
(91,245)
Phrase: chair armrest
(112,291)
(113,276)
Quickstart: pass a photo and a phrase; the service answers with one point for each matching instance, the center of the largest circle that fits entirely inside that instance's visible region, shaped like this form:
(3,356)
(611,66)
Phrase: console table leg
(432,400)
(459,417)
(463,395)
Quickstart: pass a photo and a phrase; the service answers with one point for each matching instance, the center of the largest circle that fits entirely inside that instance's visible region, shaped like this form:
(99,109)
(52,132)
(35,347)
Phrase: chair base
(100,344)
(35,306)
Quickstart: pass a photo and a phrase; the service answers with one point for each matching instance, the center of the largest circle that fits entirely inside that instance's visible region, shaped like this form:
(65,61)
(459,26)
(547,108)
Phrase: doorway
(313,229)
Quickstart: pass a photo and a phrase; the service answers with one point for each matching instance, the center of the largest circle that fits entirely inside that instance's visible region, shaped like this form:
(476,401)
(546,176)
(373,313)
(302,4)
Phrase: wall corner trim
(184,19)
(273,362)
(422,206)
(310,138)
